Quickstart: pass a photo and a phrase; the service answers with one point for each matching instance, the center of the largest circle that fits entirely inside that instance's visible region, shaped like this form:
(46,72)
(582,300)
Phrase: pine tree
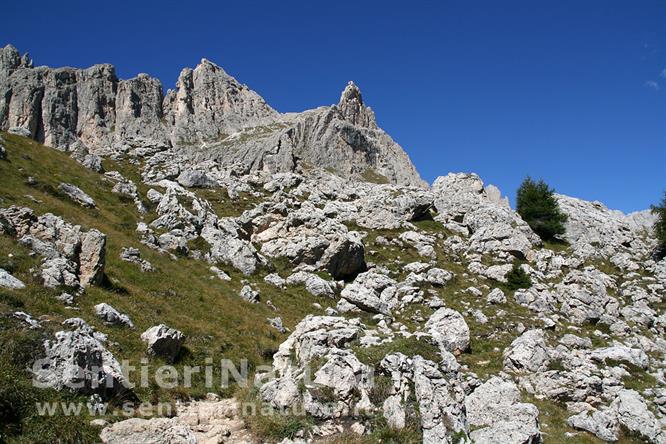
(517,278)
(537,205)
(660,226)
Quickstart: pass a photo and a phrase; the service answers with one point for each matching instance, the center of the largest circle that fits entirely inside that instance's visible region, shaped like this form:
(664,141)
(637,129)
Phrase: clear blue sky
(573,92)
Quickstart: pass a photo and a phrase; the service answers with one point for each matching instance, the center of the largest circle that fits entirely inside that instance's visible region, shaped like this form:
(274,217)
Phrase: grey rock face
(72,257)
(112,316)
(77,195)
(139,111)
(9,281)
(163,341)
(209,110)
(208,105)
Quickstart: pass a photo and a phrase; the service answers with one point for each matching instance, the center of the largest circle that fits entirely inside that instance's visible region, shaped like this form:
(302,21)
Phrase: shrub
(660,226)
(517,278)
(537,206)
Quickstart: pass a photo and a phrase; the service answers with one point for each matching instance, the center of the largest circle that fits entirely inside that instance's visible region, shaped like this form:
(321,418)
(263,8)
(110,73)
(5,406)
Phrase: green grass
(554,429)
(557,246)
(411,346)
(181,293)
(372,176)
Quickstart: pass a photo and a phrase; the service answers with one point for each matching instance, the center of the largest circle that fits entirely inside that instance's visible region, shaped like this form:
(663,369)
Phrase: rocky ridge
(209,119)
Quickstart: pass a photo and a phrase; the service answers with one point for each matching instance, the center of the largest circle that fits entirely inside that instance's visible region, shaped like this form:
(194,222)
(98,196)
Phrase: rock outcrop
(72,257)
(77,360)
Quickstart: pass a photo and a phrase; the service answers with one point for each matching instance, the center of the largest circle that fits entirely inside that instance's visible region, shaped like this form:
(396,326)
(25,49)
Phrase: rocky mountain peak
(209,117)
(351,93)
(352,108)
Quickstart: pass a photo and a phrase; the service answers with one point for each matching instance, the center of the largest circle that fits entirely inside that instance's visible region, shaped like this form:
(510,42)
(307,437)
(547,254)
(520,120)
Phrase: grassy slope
(181,294)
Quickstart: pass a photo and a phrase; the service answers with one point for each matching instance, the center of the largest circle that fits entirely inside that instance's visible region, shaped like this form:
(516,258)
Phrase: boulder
(72,257)
(92,257)
(133,255)
(276,323)
(438,277)
(77,195)
(195,179)
(633,413)
(496,296)
(9,281)
(371,291)
(249,295)
(449,330)
(163,341)
(601,423)
(621,353)
(495,412)
(441,404)
(275,279)
(112,316)
(314,284)
(527,353)
(59,272)
(345,257)
(338,385)
(78,360)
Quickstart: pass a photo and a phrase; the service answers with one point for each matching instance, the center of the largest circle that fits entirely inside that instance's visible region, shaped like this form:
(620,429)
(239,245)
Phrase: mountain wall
(208,116)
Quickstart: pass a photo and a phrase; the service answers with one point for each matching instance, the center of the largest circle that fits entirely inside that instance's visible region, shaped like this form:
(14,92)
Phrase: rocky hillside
(210,116)
(363,312)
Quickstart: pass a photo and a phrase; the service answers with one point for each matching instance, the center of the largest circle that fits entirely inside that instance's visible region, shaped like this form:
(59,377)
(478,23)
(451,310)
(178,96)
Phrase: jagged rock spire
(352,108)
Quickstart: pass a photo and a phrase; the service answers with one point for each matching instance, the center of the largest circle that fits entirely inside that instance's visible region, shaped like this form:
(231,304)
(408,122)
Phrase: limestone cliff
(209,116)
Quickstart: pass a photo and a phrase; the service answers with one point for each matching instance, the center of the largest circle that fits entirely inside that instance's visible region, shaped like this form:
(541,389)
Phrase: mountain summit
(209,116)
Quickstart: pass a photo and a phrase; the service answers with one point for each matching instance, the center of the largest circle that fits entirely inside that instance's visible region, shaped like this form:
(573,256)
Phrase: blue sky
(573,92)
